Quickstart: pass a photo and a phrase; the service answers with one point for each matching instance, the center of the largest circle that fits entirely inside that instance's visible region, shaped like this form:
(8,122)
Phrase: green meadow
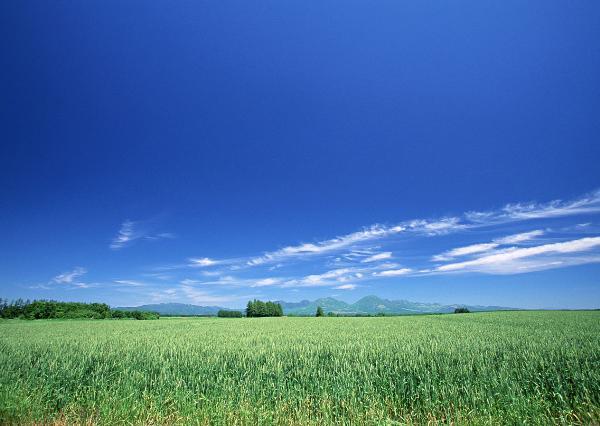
(479,368)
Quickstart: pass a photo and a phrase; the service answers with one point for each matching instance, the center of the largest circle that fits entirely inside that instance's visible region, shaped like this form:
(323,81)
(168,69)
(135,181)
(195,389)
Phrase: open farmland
(505,367)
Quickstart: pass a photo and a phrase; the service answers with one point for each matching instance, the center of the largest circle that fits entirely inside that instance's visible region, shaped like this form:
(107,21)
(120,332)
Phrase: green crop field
(484,368)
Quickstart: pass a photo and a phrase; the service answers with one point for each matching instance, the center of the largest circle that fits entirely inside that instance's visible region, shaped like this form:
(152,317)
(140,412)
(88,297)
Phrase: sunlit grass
(536,367)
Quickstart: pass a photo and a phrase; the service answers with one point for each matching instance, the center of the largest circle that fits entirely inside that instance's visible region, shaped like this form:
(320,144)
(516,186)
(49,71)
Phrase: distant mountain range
(374,304)
(366,305)
(174,309)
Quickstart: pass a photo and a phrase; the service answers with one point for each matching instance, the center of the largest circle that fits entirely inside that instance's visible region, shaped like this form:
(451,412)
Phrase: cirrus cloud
(510,260)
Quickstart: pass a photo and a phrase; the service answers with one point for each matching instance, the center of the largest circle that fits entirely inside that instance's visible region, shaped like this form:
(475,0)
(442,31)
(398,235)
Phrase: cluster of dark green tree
(461,311)
(223,313)
(49,309)
(258,308)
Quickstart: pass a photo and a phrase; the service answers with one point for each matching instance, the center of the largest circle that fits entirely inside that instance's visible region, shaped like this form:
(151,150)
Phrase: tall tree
(250,309)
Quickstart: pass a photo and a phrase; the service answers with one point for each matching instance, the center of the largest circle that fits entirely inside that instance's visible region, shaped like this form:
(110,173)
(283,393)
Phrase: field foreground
(505,367)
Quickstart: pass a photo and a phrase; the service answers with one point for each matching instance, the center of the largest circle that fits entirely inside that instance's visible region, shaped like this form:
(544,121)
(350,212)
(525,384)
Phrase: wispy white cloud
(279,265)
(517,260)
(160,236)
(486,247)
(71,279)
(393,272)
(130,283)
(437,227)
(229,281)
(416,226)
(356,253)
(131,231)
(386,265)
(329,278)
(203,262)
(39,287)
(346,287)
(125,235)
(358,256)
(356,241)
(371,233)
(587,204)
(189,281)
(462,251)
(519,238)
(70,276)
(266,282)
(85,285)
(343,276)
(379,256)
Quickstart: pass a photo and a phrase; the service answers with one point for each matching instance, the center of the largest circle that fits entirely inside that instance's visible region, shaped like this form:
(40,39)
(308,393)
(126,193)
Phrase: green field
(505,367)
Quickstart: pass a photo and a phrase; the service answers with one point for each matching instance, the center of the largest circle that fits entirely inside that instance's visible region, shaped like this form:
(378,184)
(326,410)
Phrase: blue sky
(212,152)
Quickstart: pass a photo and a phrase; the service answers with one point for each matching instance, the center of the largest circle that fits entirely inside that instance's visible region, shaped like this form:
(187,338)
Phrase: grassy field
(506,367)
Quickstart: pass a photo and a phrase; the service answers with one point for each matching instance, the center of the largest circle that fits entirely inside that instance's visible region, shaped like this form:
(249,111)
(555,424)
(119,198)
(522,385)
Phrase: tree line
(50,309)
(223,313)
(258,308)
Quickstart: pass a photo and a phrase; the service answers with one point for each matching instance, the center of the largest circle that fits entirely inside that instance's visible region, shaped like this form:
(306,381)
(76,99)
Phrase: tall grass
(510,367)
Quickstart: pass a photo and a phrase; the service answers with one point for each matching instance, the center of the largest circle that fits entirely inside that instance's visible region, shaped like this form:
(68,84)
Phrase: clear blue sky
(209,152)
